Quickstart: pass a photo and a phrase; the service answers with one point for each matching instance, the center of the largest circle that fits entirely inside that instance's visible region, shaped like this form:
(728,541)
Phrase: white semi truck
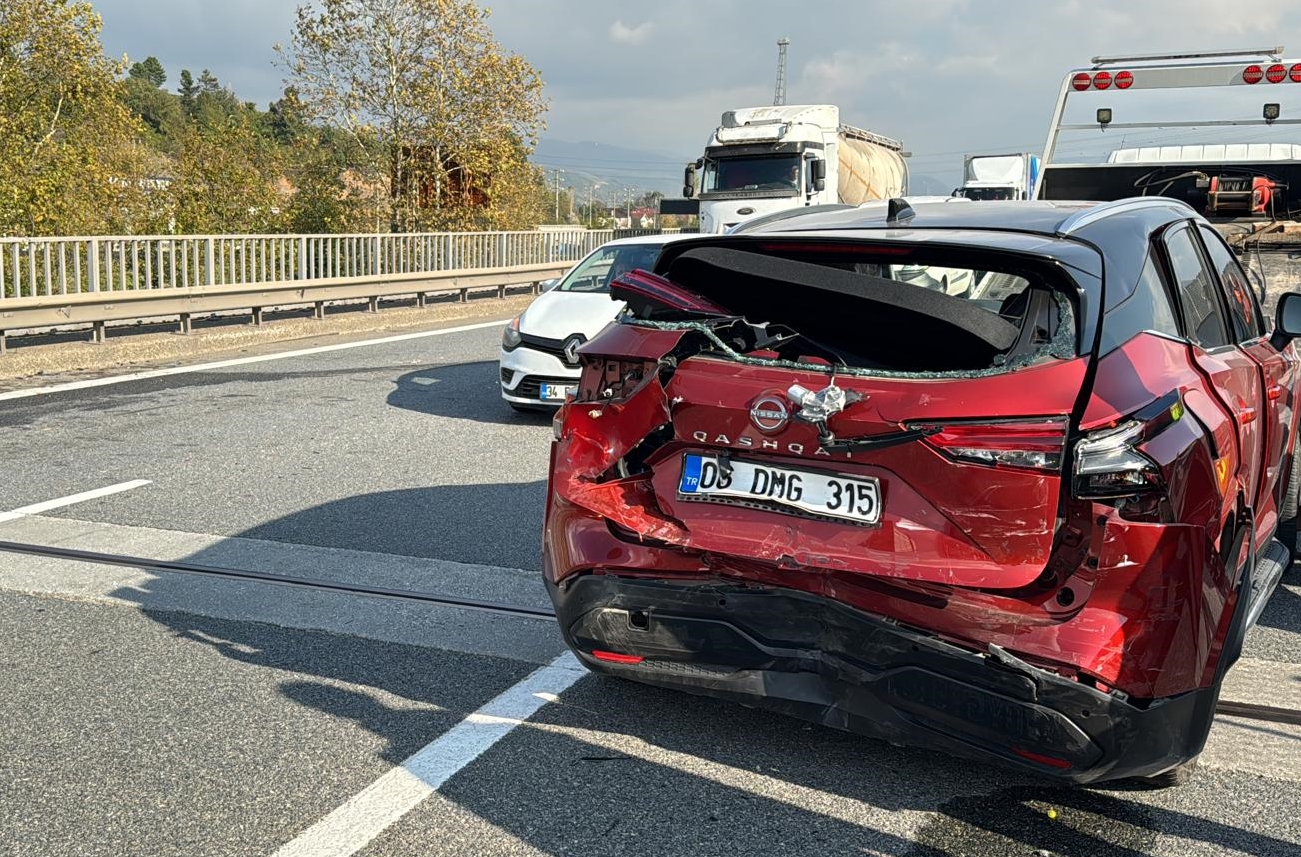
(999,176)
(761,160)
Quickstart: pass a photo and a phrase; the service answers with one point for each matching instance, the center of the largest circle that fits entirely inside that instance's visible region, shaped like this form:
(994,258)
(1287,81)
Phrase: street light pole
(557,173)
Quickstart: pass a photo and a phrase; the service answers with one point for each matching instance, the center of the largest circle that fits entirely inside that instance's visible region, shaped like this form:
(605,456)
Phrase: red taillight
(1029,444)
(1040,759)
(1295,73)
(1252,74)
(1108,461)
(616,658)
(1081,82)
(1102,80)
(1275,73)
(1124,79)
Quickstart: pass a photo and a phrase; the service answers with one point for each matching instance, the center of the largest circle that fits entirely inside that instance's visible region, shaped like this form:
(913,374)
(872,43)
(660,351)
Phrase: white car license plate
(558,392)
(853,498)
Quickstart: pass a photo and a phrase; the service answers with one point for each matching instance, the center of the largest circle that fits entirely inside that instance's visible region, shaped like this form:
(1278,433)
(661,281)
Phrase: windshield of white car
(595,272)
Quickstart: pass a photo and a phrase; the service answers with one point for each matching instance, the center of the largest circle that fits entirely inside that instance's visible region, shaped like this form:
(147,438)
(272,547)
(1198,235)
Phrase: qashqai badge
(769,414)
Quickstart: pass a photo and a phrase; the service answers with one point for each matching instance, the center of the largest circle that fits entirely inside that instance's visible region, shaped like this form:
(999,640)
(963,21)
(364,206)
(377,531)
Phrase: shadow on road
(658,771)
(460,390)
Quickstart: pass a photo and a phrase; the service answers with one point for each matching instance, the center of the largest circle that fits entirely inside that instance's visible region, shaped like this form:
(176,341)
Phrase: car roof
(659,238)
(1048,218)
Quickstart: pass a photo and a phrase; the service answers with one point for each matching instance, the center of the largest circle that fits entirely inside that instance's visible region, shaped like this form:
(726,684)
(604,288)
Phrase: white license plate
(558,392)
(853,498)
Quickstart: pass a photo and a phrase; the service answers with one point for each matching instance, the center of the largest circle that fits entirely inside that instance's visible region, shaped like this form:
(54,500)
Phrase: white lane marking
(370,812)
(38,508)
(238,361)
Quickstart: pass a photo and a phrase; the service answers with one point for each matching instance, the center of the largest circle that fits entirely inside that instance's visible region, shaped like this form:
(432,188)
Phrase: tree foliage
(440,112)
(398,115)
(68,143)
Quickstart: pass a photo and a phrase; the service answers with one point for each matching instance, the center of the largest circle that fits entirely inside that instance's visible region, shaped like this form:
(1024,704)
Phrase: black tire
(1176,776)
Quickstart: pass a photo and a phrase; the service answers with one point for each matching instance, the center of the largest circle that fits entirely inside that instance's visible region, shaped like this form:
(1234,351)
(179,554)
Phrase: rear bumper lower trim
(822,661)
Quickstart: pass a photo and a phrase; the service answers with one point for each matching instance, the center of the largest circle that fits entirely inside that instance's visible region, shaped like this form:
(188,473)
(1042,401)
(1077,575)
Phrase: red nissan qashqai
(1010,480)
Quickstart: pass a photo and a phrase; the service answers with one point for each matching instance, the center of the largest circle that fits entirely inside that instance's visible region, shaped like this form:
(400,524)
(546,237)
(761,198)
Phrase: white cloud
(624,34)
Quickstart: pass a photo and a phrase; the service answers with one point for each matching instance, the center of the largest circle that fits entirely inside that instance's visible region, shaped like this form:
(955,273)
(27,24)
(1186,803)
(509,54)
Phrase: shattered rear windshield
(926,310)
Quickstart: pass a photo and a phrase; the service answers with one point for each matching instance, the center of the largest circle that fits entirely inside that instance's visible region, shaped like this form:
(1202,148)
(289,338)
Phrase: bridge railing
(47,267)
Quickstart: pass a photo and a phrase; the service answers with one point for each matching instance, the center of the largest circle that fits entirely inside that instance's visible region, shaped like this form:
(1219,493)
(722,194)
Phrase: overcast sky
(945,76)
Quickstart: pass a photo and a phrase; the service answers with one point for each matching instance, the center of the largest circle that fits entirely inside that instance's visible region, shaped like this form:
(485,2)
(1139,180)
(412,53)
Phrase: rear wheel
(1176,776)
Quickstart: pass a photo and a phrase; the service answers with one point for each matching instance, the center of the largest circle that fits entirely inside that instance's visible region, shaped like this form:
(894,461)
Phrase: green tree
(159,111)
(188,90)
(433,103)
(69,160)
(149,70)
(225,179)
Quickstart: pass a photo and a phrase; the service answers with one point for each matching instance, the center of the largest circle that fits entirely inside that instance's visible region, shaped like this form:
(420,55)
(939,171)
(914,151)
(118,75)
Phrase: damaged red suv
(1005,480)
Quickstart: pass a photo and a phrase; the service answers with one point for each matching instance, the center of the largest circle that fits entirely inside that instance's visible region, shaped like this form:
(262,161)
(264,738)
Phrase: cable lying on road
(1231,709)
(267,577)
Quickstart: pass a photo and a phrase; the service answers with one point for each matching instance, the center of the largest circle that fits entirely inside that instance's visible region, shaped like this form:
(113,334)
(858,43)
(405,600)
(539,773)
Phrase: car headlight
(510,335)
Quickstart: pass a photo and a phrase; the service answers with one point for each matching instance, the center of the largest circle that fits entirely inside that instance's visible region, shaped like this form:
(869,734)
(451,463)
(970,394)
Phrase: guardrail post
(257,315)
(92,266)
(186,326)
(100,333)
(318,311)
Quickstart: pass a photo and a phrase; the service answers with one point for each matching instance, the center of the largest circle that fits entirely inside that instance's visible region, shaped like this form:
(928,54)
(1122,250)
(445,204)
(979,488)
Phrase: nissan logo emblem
(570,349)
(769,414)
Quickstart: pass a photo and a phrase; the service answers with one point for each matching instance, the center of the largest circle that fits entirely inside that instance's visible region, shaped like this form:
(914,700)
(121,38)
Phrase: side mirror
(818,173)
(548,285)
(689,181)
(1287,320)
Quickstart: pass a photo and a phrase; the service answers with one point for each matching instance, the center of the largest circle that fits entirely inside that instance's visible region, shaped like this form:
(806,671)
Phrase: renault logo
(769,414)
(570,349)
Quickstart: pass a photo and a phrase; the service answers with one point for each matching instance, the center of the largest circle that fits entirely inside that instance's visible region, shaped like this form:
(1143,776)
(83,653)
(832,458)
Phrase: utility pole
(557,178)
(779,96)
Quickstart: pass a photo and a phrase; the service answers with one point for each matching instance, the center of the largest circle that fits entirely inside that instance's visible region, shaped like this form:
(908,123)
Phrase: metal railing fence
(46,267)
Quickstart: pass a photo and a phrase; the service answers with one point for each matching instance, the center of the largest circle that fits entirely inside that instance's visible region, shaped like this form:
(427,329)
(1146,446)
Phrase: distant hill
(607,169)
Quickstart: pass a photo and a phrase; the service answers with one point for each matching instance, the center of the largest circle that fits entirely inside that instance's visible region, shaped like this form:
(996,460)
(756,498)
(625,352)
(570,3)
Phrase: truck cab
(761,160)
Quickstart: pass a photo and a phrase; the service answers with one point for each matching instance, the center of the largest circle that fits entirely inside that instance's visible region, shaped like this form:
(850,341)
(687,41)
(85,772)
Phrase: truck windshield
(988,193)
(771,173)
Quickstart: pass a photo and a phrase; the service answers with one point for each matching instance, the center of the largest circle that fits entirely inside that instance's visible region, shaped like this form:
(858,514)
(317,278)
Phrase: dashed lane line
(370,812)
(38,508)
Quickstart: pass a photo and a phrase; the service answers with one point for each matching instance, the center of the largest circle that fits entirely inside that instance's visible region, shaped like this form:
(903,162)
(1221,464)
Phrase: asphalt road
(168,714)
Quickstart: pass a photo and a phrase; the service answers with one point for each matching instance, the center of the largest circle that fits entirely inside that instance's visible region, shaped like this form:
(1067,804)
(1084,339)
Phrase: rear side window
(1147,308)
(1243,310)
(1199,304)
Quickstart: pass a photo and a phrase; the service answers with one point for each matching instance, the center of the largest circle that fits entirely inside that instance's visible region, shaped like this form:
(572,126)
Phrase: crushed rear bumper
(822,661)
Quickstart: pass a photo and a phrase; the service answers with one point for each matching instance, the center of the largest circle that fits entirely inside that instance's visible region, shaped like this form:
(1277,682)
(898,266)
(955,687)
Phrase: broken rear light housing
(1024,444)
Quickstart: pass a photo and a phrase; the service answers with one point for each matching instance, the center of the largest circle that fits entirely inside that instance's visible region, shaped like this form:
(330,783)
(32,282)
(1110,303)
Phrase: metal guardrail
(45,267)
(55,282)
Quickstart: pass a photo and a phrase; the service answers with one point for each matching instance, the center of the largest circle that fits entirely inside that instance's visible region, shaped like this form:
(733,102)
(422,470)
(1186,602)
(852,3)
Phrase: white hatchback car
(539,348)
